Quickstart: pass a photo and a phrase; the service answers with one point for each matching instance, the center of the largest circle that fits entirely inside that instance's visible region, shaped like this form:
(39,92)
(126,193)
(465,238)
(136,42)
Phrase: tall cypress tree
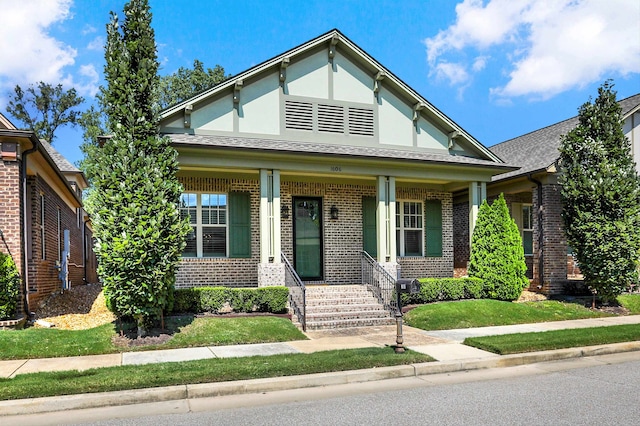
(601,195)
(139,233)
(497,254)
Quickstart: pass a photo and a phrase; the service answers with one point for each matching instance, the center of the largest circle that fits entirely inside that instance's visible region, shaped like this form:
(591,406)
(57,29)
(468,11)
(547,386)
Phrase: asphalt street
(593,390)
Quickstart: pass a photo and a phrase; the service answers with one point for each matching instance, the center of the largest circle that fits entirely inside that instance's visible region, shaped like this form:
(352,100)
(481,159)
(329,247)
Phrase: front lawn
(630,302)
(557,339)
(186,331)
(486,312)
(202,371)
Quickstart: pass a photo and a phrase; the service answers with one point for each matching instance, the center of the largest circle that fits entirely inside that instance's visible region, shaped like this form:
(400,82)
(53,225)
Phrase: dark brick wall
(554,243)
(43,273)
(10,217)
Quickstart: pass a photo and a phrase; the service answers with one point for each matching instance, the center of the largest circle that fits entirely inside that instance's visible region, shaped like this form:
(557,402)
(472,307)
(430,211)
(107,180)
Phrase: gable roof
(336,37)
(538,150)
(60,161)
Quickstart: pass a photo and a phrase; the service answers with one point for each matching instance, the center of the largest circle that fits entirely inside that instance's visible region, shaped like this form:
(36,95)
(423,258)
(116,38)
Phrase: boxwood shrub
(439,289)
(213,299)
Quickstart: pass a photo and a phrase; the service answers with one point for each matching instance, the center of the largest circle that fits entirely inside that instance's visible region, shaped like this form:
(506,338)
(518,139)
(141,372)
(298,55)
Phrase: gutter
(540,232)
(23,207)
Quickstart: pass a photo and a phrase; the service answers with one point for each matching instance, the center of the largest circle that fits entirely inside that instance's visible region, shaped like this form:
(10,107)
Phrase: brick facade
(197,272)
(43,270)
(554,243)
(342,237)
(10,215)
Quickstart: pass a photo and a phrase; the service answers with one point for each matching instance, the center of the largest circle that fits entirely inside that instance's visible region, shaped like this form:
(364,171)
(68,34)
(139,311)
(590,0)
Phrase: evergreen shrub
(9,285)
(213,299)
(497,254)
(442,289)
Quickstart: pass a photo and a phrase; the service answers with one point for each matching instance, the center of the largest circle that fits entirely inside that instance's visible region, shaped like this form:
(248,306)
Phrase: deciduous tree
(185,83)
(44,108)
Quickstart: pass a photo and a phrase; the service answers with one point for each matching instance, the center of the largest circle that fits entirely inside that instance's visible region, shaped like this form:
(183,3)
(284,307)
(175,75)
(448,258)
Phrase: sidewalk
(443,345)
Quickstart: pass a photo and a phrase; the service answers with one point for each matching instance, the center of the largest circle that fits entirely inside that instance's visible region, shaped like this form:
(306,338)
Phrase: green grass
(204,371)
(557,339)
(485,312)
(188,331)
(631,302)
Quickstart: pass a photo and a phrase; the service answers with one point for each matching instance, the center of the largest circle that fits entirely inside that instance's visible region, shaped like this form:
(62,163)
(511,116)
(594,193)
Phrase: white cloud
(454,73)
(548,46)
(479,63)
(96,44)
(88,29)
(29,53)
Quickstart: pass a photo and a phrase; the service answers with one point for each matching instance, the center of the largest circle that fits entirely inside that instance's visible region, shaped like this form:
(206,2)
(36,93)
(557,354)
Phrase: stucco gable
(325,91)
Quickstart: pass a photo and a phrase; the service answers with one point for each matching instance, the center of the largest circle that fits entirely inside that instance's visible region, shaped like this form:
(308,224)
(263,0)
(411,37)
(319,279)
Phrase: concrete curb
(170,393)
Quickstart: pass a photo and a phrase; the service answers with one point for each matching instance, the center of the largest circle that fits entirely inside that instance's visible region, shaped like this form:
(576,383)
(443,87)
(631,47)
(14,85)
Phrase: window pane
(214,241)
(188,207)
(527,242)
(412,243)
(190,247)
(398,242)
(527,217)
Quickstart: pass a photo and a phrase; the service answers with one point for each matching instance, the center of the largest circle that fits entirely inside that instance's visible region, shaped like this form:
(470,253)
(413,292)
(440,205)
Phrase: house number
(336,168)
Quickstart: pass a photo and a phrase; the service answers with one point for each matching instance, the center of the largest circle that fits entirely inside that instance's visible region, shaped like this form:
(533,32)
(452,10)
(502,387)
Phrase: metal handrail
(380,281)
(297,292)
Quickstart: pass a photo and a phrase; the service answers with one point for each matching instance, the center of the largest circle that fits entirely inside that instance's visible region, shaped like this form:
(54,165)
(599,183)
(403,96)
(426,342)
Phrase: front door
(307,240)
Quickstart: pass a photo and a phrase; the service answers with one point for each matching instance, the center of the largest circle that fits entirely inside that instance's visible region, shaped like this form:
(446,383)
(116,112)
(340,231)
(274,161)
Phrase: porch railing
(381,282)
(297,292)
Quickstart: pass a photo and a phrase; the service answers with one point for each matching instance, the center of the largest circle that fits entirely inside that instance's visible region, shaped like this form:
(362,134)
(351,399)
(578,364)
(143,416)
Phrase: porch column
(477,194)
(271,268)
(386,223)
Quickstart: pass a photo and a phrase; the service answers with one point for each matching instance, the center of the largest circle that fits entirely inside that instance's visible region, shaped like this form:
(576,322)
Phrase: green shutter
(239,224)
(369,231)
(433,210)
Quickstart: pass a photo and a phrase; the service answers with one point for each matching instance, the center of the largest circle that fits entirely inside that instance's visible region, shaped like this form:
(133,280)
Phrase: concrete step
(341,306)
(347,323)
(331,316)
(354,307)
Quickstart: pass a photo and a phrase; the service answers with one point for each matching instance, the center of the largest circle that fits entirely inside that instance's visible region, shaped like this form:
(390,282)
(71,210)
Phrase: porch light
(334,212)
(284,212)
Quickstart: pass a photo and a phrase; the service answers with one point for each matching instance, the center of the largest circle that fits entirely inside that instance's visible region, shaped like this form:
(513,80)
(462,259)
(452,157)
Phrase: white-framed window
(42,233)
(59,232)
(527,228)
(207,214)
(409,228)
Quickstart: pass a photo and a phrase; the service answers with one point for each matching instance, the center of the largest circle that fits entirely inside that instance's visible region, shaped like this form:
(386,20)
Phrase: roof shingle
(538,150)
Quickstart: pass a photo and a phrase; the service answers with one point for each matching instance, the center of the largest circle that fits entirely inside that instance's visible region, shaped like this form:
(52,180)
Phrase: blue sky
(499,68)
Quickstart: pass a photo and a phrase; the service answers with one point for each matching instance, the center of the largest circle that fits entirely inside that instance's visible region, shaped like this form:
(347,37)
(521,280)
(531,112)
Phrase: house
(41,216)
(533,196)
(312,157)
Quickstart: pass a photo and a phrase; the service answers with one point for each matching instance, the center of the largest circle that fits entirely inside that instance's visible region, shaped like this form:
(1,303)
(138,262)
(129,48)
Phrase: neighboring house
(533,196)
(41,198)
(318,154)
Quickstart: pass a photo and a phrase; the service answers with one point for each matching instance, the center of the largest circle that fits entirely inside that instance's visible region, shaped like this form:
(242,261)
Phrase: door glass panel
(308,234)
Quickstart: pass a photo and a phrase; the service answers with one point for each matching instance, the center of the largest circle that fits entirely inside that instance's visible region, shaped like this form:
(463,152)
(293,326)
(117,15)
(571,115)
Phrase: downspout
(85,252)
(23,207)
(540,232)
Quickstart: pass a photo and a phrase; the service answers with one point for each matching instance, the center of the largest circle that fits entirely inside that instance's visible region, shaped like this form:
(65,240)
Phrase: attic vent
(298,115)
(330,118)
(361,121)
